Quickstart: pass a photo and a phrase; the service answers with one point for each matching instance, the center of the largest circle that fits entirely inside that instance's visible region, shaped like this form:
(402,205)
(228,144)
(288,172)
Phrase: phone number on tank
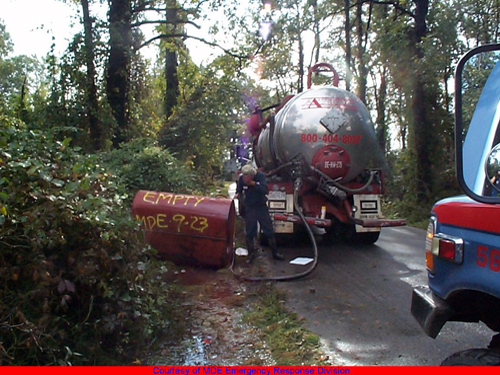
(330,138)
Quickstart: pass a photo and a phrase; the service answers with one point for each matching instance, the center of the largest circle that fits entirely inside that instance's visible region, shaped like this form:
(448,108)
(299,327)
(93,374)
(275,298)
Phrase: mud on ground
(216,306)
(214,303)
(227,323)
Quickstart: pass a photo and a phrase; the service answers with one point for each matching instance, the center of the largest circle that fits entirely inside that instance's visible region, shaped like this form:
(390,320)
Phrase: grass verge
(289,342)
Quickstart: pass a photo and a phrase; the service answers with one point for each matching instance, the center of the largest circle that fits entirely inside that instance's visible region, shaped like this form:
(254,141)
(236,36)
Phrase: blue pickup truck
(462,251)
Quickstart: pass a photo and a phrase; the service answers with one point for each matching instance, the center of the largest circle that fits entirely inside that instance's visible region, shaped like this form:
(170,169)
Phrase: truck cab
(462,250)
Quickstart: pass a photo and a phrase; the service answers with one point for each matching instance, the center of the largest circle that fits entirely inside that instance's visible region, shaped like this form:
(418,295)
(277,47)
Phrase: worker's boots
(251,249)
(274,249)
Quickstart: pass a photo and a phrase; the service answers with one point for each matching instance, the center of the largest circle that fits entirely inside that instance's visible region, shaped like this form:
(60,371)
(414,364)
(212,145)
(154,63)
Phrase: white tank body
(328,126)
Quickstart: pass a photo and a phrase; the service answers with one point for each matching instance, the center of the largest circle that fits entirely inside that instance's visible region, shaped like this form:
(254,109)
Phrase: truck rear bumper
(379,223)
(322,223)
(430,311)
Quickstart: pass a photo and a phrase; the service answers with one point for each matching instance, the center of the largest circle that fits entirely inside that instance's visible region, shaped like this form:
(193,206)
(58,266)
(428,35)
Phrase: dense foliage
(142,164)
(78,286)
(210,111)
(82,132)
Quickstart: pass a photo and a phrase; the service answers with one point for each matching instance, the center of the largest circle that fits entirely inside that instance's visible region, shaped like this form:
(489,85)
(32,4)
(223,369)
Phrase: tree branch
(165,22)
(161,36)
(185,36)
(212,44)
(395,4)
(144,7)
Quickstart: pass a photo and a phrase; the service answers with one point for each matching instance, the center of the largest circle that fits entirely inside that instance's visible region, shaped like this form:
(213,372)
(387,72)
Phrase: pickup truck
(462,251)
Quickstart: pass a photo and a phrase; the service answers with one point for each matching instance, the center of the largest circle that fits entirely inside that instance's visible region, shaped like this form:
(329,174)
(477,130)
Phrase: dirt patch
(215,334)
(228,322)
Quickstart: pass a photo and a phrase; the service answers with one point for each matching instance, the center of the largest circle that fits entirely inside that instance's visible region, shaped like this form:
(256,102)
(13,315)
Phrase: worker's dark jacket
(254,195)
(256,208)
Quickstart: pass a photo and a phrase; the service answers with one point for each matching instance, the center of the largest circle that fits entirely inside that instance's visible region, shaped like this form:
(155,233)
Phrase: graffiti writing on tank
(177,222)
(172,199)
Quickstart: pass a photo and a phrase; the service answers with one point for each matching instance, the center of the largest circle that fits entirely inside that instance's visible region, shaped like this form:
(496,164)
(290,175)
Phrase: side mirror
(477,119)
(493,170)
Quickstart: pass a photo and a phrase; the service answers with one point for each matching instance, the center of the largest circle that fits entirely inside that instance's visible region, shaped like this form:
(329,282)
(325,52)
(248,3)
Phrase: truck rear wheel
(338,231)
(473,357)
(365,238)
(343,232)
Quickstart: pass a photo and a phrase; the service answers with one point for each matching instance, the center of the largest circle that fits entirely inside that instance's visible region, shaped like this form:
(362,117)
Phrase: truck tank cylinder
(187,229)
(328,126)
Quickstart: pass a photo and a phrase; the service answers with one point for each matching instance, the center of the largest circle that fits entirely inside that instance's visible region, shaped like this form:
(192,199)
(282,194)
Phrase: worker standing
(252,187)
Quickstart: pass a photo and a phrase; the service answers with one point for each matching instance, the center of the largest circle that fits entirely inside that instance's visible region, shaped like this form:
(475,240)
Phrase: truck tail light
(442,246)
(448,247)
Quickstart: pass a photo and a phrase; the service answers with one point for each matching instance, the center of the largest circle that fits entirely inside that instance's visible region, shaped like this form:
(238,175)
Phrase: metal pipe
(342,187)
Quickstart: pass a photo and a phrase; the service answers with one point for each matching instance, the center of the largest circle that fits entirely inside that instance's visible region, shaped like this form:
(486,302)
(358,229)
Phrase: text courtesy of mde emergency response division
(227,370)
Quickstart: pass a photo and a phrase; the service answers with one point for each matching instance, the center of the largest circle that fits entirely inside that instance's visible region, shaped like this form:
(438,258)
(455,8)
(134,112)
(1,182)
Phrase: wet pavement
(358,300)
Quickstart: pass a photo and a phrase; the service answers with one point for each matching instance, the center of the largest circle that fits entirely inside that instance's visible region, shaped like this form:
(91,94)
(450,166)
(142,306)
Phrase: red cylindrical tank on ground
(187,229)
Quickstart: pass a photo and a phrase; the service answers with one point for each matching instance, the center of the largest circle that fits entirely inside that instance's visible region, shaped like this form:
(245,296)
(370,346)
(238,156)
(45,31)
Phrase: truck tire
(473,357)
(365,238)
(346,233)
(338,232)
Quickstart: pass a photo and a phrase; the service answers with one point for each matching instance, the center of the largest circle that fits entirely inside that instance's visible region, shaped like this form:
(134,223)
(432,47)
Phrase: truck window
(486,114)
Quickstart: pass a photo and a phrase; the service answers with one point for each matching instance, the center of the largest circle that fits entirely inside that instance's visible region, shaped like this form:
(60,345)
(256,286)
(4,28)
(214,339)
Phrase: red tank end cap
(253,124)
(333,161)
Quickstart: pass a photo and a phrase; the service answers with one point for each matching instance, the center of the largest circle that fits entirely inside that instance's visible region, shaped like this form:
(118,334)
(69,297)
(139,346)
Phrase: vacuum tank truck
(319,151)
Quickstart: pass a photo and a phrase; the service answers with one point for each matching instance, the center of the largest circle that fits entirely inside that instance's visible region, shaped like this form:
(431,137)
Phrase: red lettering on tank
(315,103)
(331,102)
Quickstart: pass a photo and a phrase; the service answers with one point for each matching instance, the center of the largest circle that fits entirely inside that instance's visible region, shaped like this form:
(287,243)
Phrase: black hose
(344,188)
(300,275)
(283,166)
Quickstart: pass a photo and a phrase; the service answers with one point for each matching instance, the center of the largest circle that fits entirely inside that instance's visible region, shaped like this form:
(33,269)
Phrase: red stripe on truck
(473,215)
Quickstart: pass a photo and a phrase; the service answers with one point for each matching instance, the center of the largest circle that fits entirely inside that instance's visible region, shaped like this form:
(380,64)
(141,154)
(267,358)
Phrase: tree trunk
(300,83)
(347,29)
(22,113)
(421,107)
(172,80)
(381,109)
(118,73)
(403,124)
(92,107)
(362,37)
(172,90)
(317,32)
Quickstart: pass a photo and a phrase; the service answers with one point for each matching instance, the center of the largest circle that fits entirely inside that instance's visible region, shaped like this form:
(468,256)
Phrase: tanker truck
(319,152)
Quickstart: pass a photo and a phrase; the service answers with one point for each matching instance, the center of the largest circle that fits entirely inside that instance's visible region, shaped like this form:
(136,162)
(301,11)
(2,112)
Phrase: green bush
(143,165)
(402,200)
(77,285)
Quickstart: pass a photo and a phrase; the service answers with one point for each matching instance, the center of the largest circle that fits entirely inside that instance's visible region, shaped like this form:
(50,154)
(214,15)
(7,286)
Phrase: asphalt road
(358,301)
